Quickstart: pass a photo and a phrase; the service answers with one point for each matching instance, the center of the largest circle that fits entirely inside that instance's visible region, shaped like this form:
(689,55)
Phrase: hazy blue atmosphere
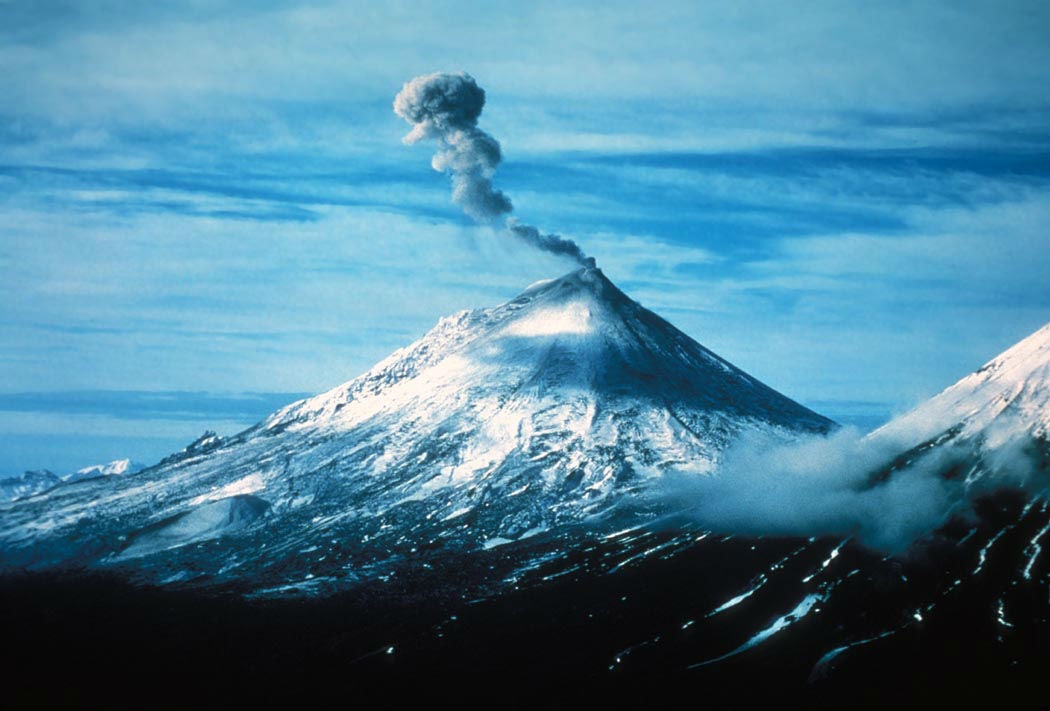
(208,210)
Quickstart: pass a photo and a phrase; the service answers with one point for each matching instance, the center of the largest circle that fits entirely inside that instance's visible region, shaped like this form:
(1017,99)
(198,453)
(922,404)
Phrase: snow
(1032,550)
(572,318)
(457,513)
(760,581)
(495,542)
(803,608)
(116,467)
(827,561)
(248,485)
(733,602)
(820,668)
(204,522)
(983,555)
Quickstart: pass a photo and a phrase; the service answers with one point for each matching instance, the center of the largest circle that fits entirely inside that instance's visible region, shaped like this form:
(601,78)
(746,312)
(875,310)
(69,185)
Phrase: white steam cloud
(445,108)
(841,484)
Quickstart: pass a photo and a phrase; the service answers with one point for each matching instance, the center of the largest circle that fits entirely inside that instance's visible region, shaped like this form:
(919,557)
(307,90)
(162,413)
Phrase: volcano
(497,425)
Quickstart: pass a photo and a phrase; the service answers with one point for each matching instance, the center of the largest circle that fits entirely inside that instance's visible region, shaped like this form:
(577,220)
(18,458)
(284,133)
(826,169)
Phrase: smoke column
(445,108)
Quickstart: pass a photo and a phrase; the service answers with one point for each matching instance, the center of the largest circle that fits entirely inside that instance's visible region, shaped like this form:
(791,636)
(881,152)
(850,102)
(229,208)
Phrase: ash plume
(445,108)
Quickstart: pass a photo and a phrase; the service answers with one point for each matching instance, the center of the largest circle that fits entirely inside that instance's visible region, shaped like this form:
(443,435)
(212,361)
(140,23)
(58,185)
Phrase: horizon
(850,206)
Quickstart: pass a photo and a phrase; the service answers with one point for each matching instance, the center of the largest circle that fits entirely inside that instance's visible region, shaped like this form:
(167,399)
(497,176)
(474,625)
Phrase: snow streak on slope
(498,424)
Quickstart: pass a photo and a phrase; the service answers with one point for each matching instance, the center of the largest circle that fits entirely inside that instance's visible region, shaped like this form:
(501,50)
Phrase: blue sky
(211,201)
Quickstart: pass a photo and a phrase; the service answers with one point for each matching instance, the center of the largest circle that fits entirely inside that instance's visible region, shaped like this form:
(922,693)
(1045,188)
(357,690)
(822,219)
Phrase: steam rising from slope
(840,484)
(445,108)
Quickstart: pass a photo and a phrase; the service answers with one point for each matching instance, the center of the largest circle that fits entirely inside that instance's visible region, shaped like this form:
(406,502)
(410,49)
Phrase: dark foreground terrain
(664,615)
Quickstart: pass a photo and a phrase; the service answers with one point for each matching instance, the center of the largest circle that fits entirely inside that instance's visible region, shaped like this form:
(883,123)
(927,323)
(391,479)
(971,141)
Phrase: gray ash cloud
(445,108)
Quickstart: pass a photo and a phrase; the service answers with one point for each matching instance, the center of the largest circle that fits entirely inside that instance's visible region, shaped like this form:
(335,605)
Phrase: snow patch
(247,485)
(203,523)
(571,318)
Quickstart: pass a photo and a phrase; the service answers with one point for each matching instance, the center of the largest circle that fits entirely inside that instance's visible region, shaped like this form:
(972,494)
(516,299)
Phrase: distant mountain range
(38,481)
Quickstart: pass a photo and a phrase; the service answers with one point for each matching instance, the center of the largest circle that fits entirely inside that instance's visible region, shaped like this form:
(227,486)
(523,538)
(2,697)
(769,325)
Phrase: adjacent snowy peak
(117,467)
(1007,398)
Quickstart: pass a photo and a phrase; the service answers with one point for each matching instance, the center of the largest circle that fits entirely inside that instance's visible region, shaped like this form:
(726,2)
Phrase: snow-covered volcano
(498,424)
